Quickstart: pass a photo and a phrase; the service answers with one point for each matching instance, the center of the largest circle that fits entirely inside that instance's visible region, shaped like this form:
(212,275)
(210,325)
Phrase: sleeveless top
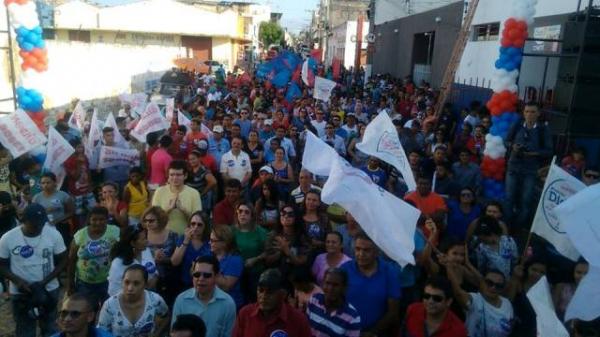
(139,199)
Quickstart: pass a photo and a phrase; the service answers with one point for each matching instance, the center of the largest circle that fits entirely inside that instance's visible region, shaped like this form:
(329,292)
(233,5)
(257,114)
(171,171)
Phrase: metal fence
(466,91)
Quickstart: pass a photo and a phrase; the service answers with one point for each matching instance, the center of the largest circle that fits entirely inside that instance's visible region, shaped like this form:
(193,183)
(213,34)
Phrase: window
(49,34)
(486,32)
(79,35)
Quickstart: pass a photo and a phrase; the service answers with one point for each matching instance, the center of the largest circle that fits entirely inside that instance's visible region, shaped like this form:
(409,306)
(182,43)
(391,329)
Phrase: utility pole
(359,29)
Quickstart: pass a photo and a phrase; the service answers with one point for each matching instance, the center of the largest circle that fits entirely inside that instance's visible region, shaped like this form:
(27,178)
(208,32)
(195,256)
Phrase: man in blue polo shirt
(373,288)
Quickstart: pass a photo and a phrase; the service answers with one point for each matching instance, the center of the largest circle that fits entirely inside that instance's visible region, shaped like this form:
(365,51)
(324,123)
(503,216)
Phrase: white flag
(183,120)
(58,151)
(205,130)
(137,102)
(585,304)
(381,140)
(120,141)
(169,109)
(152,120)
(387,220)
(114,156)
(77,119)
(304,72)
(559,186)
(318,156)
(92,145)
(19,134)
(580,215)
(323,88)
(548,324)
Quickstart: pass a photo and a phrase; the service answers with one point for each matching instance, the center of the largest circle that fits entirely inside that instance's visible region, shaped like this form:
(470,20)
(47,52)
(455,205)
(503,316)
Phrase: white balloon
(23,15)
(31,79)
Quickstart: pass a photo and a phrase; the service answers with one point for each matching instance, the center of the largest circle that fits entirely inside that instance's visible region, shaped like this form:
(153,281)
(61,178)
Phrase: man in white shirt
(319,123)
(236,163)
(31,257)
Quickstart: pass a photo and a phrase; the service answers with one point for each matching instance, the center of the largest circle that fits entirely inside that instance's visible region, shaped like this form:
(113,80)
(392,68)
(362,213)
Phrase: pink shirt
(159,164)
(320,266)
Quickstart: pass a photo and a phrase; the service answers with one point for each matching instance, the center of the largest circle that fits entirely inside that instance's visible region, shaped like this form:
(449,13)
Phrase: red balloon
(505,42)
(510,23)
(521,25)
(514,33)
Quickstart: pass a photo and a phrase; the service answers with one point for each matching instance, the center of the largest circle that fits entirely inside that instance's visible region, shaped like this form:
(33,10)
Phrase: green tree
(270,33)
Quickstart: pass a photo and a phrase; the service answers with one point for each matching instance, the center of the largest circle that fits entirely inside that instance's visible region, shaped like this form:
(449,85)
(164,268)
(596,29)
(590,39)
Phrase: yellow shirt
(139,199)
(189,202)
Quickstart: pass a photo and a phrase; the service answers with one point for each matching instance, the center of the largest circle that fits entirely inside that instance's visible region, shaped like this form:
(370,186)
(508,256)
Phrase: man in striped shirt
(329,314)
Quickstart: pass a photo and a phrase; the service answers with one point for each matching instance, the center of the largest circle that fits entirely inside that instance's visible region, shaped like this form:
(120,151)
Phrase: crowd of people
(220,231)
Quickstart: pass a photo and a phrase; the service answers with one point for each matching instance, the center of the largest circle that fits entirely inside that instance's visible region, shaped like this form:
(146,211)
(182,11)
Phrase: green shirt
(93,260)
(251,244)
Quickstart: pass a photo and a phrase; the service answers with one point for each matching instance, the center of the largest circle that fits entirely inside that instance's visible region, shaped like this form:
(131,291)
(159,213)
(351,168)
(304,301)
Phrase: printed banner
(559,187)
(19,134)
(323,88)
(169,109)
(152,120)
(114,156)
(137,102)
(58,150)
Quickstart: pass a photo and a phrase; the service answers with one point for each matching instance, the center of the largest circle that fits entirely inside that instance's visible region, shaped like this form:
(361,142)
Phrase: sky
(296,13)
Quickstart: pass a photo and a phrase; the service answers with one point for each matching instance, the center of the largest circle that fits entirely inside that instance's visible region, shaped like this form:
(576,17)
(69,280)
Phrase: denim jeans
(520,198)
(98,293)
(25,325)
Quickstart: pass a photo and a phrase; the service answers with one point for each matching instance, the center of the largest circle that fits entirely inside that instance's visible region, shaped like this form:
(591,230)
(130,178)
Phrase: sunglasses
(435,298)
(199,274)
(244,211)
(492,284)
(287,213)
(74,314)
(592,176)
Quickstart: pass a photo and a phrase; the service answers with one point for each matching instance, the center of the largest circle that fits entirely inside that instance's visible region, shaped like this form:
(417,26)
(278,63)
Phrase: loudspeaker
(585,115)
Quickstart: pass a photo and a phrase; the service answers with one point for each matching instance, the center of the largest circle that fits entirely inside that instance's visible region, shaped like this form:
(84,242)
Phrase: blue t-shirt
(369,295)
(233,265)
(378,176)
(188,258)
(245,127)
(410,273)
(458,222)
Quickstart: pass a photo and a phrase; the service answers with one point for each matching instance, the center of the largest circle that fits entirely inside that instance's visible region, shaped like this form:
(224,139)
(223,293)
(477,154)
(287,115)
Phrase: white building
(97,52)
(342,43)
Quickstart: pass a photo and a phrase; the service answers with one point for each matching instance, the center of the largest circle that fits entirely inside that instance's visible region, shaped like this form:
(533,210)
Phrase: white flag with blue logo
(559,186)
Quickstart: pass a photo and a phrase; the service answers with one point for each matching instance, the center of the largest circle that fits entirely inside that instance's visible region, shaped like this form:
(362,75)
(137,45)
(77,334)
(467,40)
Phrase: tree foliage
(270,33)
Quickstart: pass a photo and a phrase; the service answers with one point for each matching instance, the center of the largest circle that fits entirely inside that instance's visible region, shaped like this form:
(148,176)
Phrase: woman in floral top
(134,311)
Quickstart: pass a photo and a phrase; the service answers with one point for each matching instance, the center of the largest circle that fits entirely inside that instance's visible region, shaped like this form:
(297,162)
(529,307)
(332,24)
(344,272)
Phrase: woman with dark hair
(134,311)
(267,206)
(283,174)
(58,204)
(193,244)
(250,241)
(495,250)
(162,243)
(563,292)
(332,258)
(131,249)
(461,213)
(231,265)
(255,151)
(316,223)
(439,138)
(287,245)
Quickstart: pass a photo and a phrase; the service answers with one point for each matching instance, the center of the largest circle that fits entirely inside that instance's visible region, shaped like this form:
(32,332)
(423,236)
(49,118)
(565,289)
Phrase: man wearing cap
(265,173)
(207,159)
(266,132)
(271,316)
(31,257)
(217,144)
(195,135)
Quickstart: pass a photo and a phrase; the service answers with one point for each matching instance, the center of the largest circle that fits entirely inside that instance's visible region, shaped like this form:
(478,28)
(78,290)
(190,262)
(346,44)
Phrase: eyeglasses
(287,213)
(74,314)
(149,220)
(435,298)
(492,284)
(199,274)
(196,224)
(244,211)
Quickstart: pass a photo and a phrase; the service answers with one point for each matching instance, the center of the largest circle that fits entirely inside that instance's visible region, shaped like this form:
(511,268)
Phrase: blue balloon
(27,46)
(38,30)
(21,31)
(513,51)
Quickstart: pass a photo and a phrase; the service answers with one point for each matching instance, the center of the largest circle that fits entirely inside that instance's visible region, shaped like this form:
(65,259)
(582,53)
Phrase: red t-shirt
(251,323)
(451,326)
(223,213)
(149,154)
(428,205)
(78,176)
(159,163)
(209,161)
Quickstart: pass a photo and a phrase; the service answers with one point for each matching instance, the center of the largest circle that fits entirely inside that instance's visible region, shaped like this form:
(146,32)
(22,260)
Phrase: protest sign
(58,150)
(169,109)
(559,186)
(77,120)
(19,134)
(579,214)
(323,88)
(119,140)
(381,140)
(151,120)
(114,156)
(548,324)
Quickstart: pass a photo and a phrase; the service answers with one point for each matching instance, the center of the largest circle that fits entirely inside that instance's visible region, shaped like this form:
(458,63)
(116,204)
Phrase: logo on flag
(387,144)
(557,192)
